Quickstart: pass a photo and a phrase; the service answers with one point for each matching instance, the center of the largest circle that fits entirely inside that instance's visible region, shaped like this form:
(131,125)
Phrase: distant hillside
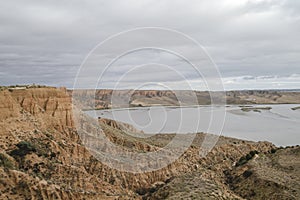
(144,98)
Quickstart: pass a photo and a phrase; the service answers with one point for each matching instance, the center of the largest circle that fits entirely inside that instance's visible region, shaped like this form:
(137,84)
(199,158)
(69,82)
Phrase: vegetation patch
(244,159)
(255,109)
(5,162)
(273,150)
(24,148)
(247,173)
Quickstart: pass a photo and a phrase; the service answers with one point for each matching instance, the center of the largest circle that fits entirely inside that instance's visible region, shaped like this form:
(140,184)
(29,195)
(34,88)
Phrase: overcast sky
(254,43)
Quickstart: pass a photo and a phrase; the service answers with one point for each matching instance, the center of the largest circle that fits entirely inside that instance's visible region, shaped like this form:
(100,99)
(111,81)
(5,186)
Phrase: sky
(254,43)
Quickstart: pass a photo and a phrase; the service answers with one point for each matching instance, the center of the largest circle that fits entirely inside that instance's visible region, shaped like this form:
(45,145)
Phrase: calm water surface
(280,125)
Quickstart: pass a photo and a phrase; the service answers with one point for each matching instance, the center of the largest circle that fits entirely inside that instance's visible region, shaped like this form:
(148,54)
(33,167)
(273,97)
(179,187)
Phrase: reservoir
(279,124)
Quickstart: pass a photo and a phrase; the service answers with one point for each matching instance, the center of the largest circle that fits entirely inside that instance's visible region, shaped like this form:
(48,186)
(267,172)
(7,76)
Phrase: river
(279,125)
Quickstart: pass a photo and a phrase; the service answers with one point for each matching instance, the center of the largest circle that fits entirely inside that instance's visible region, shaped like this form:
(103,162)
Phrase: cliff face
(8,107)
(42,156)
(54,104)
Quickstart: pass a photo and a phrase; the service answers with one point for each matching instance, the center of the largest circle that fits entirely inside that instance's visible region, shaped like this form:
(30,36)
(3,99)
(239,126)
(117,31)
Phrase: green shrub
(249,156)
(244,159)
(247,173)
(5,162)
(241,161)
(252,153)
(24,148)
(273,150)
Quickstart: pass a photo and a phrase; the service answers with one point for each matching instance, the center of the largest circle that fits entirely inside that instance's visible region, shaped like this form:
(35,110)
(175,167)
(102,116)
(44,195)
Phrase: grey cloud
(46,41)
